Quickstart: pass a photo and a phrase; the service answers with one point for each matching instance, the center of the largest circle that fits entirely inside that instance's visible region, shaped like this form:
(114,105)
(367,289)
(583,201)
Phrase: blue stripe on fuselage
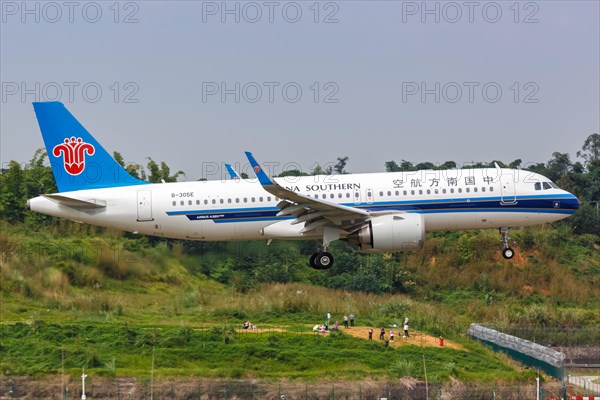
(557,204)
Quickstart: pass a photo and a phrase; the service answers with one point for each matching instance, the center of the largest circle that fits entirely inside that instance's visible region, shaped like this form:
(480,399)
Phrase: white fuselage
(243,210)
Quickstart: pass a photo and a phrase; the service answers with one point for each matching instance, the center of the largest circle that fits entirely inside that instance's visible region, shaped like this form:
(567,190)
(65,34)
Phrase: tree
(162,173)
(135,170)
(590,150)
(340,166)
(558,166)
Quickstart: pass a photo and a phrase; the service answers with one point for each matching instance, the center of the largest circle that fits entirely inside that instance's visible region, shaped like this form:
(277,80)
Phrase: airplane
(376,212)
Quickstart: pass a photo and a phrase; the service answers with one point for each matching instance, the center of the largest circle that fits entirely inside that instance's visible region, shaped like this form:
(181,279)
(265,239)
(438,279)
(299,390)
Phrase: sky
(197,83)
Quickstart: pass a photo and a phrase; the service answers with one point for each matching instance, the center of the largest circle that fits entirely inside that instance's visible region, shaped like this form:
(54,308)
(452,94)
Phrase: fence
(131,389)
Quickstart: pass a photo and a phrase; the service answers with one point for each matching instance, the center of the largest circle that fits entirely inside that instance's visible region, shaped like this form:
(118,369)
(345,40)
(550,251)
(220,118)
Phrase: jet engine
(391,232)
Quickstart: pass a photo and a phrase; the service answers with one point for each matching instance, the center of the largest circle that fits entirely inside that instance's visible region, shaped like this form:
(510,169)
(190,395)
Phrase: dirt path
(362,332)
(415,338)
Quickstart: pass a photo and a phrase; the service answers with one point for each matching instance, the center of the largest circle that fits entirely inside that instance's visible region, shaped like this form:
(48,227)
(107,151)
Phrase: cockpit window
(538,186)
(554,185)
(547,186)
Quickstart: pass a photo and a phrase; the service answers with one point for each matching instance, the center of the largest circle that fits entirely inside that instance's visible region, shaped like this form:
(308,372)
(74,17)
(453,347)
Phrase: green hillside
(74,296)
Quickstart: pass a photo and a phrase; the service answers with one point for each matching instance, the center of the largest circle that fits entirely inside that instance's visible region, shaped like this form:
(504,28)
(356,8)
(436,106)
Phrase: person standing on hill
(406,329)
(345,321)
(371,334)
(382,333)
(351,319)
(328,317)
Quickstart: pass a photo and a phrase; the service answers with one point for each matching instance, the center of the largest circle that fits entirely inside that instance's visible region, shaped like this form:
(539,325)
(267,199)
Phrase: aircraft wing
(314,213)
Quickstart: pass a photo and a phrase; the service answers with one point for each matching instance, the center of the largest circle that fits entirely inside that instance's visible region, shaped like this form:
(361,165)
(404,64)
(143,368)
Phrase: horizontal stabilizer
(75,203)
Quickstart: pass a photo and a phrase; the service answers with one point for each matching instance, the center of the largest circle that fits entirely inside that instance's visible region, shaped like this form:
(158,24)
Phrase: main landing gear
(507,251)
(321,260)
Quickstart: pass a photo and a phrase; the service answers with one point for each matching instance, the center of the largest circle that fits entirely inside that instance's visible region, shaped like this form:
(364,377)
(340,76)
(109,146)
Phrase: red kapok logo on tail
(73,150)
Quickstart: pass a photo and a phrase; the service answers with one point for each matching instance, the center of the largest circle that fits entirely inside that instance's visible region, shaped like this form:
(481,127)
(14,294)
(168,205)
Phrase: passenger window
(452,190)
(332,195)
(444,191)
(189,202)
(197,202)
(483,189)
(412,192)
(221,201)
(420,191)
(348,195)
(268,198)
(174,203)
(214,201)
(397,193)
(182,202)
(468,190)
(459,190)
(237,199)
(491,188)
(229,201)
(428,191)
(436,191)
(260,199)
(205,201)
(389,193)
(245,199)
(404,193)
(380,194)
(339,195)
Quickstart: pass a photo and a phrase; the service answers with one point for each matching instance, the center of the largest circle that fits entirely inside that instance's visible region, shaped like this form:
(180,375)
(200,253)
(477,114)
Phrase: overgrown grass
(114,349)
(167,292)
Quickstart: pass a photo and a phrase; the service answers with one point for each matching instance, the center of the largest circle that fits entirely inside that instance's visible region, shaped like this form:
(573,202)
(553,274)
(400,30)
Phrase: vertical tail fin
(78,161)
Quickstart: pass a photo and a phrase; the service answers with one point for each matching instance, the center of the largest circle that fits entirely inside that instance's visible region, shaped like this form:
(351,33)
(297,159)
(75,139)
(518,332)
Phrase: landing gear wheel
(508,253)
(325,260)
(312,261)
(322,260)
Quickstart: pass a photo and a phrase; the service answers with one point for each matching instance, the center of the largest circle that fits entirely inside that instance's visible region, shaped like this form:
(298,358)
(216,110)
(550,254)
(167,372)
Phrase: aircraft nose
(573,202)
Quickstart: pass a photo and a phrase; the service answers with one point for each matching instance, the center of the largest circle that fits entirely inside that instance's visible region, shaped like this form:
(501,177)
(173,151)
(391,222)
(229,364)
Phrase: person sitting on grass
(335,327)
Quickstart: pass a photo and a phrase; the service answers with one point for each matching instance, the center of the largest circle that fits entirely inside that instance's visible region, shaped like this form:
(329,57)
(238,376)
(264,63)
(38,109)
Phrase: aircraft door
(144,205)
(508,189)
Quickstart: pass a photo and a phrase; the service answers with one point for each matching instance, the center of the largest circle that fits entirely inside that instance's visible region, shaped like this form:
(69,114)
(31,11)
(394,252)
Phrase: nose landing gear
(507,251)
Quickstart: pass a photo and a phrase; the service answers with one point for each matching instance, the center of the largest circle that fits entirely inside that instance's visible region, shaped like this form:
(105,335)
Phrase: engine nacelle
(393,232)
